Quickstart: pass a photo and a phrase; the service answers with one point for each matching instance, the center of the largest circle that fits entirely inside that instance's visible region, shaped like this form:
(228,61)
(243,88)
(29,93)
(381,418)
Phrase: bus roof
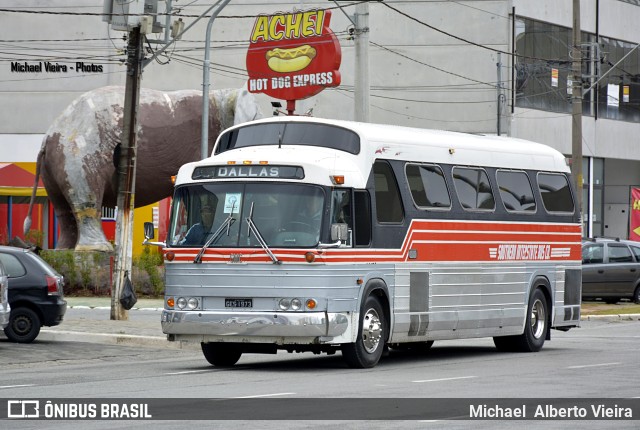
(379,141)
(426,145)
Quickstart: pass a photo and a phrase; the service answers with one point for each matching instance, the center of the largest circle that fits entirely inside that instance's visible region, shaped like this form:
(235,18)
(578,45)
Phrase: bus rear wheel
(366,351)
(221,354)
(535,329)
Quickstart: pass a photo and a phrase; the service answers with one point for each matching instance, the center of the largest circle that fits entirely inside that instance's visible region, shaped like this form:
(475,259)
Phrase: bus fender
(545,286)
(378,288)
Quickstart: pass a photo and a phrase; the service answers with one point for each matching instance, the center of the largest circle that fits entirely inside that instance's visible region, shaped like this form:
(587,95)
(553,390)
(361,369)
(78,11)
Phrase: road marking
(17,386)
(188,371)
(445,379)
(593,365)
(264,395)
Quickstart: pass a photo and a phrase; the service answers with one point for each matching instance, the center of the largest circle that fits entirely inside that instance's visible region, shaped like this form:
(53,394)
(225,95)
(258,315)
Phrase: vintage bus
(304,234)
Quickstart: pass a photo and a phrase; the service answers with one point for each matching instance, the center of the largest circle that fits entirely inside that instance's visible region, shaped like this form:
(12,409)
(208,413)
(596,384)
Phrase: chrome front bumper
(254,324)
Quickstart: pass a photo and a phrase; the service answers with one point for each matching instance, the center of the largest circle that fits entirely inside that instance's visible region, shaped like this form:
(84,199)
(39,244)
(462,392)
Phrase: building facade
(483,66)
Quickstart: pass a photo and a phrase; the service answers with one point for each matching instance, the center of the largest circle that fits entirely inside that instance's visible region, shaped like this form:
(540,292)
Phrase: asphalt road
(598,360)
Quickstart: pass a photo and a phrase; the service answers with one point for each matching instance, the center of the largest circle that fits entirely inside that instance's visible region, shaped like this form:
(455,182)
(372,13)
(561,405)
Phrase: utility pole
(361,78)
(576,99)
(127,173)
(499,95)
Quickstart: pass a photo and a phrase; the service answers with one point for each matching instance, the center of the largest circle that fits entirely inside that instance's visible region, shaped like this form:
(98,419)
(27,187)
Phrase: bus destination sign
(248,171)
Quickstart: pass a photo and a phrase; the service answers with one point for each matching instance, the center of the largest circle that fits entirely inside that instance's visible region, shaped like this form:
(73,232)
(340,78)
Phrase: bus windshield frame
(290,133)
(286,214)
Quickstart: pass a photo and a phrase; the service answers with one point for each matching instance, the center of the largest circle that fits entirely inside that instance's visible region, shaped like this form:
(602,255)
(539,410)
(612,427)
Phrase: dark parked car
(611,270)
(35,294)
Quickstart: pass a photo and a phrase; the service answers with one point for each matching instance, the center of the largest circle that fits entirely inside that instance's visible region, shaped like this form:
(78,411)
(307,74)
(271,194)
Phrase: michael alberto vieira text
(46,66)
(547,411)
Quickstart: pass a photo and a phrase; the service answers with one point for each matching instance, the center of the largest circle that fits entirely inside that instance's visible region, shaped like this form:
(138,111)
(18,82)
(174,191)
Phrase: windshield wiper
(225,225)
(253,228)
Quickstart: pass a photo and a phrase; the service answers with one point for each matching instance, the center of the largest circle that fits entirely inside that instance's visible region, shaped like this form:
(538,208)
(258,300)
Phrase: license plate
(238,303)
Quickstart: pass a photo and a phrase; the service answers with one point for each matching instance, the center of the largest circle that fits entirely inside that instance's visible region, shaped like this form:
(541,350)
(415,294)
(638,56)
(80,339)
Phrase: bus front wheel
(221,354)
(535,328)
(366,351)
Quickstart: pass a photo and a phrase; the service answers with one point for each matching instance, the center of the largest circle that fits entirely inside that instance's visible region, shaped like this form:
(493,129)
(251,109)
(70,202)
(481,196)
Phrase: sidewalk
(88,320)
(105,302)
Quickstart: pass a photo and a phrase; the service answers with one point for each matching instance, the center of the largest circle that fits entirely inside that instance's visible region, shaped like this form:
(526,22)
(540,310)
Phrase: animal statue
(78,156)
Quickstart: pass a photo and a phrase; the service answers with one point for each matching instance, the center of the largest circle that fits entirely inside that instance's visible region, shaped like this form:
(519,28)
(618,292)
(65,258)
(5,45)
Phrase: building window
(542,65)
(544,79)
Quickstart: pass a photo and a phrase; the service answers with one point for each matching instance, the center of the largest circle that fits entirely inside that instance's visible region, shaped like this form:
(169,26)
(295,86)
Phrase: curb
(115,339)
(619,317)
(108,308)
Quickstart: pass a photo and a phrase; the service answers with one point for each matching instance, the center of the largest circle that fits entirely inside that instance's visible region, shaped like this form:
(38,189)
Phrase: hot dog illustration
(291,59)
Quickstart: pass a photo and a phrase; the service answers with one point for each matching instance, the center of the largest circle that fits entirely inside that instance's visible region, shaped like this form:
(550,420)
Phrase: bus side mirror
(148,230)
(339,231)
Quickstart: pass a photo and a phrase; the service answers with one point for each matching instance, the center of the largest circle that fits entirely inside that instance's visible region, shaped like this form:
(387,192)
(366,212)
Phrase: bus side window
(341,207)
(473,188)
(515,191)
(388,202)
(556,195)
(362,218)
(428,187)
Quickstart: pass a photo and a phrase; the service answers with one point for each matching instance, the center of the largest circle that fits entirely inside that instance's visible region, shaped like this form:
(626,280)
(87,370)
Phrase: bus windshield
(286,215)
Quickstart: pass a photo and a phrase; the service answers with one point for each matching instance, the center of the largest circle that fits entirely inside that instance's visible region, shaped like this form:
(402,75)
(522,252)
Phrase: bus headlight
(291,304)
(284,304)
(192,303)
(181,302)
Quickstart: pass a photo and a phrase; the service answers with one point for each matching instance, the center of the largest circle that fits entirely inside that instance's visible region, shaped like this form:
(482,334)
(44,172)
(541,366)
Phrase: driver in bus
(312,210)
(201,231)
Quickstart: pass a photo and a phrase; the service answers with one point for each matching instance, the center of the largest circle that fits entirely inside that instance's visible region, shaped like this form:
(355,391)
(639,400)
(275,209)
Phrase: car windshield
(286,215)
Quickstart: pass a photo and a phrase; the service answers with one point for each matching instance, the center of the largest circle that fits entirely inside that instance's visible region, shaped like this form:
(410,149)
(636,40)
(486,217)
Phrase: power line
(431,66)
(462,39)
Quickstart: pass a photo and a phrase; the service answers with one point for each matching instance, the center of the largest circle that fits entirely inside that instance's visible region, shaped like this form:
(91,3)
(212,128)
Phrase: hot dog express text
(292,81)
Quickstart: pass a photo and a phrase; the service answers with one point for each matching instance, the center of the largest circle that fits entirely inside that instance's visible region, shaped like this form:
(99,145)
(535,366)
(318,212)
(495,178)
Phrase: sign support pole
(291,107)
(204,135)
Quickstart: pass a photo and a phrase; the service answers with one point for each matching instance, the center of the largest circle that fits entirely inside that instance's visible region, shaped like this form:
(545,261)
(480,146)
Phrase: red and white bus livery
(304,234)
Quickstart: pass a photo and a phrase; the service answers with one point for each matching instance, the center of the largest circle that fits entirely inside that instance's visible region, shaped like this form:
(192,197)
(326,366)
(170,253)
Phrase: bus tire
(366,351)
(221,354)
(535,328)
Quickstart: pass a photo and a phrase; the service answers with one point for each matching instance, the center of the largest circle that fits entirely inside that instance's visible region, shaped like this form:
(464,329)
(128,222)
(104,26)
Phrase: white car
(5,310)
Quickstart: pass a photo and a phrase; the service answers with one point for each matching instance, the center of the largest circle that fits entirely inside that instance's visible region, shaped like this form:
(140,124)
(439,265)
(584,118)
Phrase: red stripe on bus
(436,241)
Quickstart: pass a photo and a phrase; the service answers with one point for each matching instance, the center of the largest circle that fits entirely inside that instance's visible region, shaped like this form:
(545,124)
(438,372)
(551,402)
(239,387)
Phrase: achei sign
(294,55)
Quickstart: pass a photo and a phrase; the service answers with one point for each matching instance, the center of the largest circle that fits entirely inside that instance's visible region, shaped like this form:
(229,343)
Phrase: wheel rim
(371,330)
(538,319)
(22,325)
